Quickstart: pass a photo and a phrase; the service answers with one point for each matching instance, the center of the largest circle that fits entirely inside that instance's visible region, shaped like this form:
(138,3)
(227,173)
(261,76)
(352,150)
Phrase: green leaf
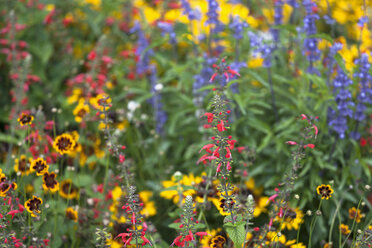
(199,226)
(265,142)
(236,233)
(322,36)
(341,63)
(84,180)
(8,139)
(258,78)
(240,103)
(42,50)
(288,27)
(174,226)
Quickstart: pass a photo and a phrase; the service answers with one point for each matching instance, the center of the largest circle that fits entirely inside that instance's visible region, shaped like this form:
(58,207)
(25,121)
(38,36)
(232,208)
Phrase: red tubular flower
(221,126)
(213,77)
(233,72)
(145,241)
(292,143)
(123,236)
(133,219)
(228,166)
(13,212)
(280,212)
(190,236)
(218,168)
(303,117)
(202,234)
(144,226)
(207,148)
(209,117)
(228,153)
(216,153)
(316,130)
(231,143)
(310,146)
(206,157)
(270,223)
(206,126)
(240,149)
(272,198)
(226,76)
(177,241)
(128,241)
(21,207)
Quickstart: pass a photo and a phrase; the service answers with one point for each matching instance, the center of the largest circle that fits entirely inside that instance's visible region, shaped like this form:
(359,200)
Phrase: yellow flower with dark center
(33,205)
(355,214)
(25,119)
(64,143)
(101,102)
(40,166)
(344,229)
(80,111)
(71,214)
(325,191)
(292,218)
(206,240)
(223,205)
(5,186)
(22,165)
(50,182)
(218,242)
(67,190)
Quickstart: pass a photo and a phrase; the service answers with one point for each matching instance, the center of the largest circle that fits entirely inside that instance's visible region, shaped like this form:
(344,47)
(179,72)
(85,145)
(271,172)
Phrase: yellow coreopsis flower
(80,111)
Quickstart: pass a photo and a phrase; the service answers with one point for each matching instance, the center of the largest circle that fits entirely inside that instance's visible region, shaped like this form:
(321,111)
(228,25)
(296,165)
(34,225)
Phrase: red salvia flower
(209,117)
(221,126)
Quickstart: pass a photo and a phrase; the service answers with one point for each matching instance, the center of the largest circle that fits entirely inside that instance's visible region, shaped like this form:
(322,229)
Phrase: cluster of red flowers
(223,69)
(139,227)
(14,207)
(182,241)
(16,54)
(93,81)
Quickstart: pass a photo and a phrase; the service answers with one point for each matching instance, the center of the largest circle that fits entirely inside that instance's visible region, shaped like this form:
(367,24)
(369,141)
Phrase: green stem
(333,220)
(313,221)
(352,227)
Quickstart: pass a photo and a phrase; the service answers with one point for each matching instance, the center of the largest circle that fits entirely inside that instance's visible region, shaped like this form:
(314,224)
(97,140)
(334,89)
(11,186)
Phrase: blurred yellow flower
(95,3)
(255,62)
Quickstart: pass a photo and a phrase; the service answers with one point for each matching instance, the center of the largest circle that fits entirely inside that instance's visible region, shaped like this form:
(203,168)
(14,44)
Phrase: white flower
(158,87)
(132,106)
